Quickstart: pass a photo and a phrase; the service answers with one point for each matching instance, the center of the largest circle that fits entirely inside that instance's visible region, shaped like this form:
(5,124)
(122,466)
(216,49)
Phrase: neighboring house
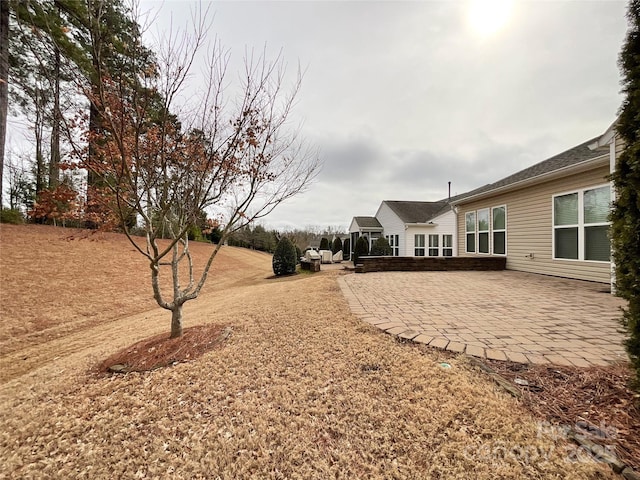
(418,229)
(368,227)
(412,228)
(551,218)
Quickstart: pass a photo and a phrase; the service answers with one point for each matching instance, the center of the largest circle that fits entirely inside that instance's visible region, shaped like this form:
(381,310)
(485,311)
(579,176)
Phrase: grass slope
(301,389)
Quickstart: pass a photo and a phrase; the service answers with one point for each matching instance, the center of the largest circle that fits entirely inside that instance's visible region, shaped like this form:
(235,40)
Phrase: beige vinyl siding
(530,229)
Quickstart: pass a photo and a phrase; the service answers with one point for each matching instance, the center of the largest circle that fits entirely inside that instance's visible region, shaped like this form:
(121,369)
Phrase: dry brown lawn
(301,389)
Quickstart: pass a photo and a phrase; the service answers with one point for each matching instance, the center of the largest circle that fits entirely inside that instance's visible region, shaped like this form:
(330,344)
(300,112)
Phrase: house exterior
(412,228)
(550,218)
(418,229)
(368,227)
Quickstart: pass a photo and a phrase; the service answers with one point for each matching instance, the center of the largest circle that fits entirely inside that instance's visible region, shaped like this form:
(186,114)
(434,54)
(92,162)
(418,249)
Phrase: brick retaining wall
(428,264)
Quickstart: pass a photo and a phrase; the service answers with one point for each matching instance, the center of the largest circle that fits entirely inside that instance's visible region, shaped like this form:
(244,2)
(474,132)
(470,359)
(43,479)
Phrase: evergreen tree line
(257,237)
(58,53)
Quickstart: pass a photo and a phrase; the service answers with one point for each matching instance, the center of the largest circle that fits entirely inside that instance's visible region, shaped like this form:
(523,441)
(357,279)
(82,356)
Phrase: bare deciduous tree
(165,163)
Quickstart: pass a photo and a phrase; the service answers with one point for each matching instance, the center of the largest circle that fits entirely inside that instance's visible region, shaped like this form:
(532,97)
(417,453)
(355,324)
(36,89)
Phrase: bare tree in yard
(235,156)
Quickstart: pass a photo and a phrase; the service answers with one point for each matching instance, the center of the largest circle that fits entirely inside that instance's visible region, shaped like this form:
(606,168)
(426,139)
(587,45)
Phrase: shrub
(361,249)
(625,217)
(298,254)
(337,246)
(346,249)
(381,247)
(13,216)
(196,235)
(284,258)
(324,244)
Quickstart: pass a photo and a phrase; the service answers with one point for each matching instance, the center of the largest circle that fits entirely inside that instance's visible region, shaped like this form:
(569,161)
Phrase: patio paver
(500,315)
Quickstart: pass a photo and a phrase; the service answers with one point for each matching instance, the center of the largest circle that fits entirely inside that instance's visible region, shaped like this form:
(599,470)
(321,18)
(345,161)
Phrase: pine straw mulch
(595,401)
(161,351)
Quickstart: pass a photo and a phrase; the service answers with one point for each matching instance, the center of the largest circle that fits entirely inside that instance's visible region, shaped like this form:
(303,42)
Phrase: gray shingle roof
(368,222)
(573,156)
(417,212)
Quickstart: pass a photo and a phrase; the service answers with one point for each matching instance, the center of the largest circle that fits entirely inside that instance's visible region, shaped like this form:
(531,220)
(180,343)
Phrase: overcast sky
(402,97)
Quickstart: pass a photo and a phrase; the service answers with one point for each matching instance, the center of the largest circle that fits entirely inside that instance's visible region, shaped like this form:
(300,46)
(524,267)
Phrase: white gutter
(428,224)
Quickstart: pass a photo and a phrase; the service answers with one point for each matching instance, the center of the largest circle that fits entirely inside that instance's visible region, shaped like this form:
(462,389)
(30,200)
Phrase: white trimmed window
(581,225)
(499,230)
(394,243)
(419,245)
(470,229)
(433,245)
(483,230)
(447,245)
(486,231)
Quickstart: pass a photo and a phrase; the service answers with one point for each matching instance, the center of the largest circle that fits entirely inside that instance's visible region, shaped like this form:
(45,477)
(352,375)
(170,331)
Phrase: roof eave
(590,164)
(420,224)
(606,137)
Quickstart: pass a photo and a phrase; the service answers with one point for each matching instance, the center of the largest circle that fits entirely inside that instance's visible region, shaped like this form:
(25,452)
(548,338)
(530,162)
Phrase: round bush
(284,258)
(381,248)
(11,216)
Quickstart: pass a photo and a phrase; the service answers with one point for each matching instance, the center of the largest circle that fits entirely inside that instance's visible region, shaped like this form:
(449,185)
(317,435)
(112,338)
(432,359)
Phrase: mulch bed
(595,400)
(161,351)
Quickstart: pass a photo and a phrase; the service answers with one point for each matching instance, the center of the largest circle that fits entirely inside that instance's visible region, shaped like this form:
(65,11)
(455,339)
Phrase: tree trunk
(54,164)
(4,83)
(41,175)
(176,321)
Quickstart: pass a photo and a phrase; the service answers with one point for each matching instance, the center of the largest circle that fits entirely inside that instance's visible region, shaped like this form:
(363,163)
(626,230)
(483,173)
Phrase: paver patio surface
(506,315)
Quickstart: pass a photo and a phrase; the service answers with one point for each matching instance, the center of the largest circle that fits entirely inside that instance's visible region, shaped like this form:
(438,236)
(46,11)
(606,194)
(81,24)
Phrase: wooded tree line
(57,54)
(257,237)
(109,110)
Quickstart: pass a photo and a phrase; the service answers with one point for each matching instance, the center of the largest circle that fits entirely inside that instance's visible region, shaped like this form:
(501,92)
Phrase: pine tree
(625,227)
(4,84)
(284,258)
(346,249)
(337,245)
(361,248)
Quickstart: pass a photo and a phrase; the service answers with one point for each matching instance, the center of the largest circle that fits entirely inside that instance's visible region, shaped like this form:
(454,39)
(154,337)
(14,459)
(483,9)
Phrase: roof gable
(367,222)
(416,212)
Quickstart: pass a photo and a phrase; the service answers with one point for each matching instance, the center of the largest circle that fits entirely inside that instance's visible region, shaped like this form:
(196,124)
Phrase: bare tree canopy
(162,164)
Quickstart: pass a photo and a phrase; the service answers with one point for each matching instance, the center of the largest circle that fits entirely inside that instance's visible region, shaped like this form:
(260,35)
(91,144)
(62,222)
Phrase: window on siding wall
(483,230)
(597,202)
(447,245)
(565,222)
(580,225)
(499,230)
(433,245)
(394,243)
(419,245)
(470,229)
